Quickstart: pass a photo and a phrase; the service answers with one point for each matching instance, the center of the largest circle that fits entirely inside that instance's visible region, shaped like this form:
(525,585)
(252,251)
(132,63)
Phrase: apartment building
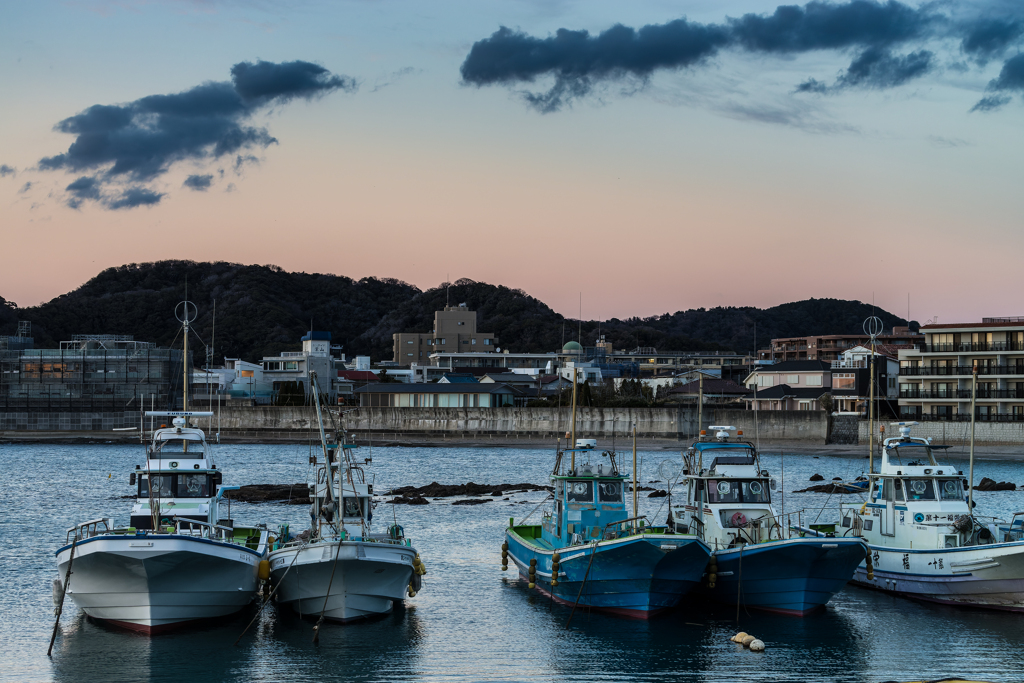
(936,376)
(829,347)
(454,332)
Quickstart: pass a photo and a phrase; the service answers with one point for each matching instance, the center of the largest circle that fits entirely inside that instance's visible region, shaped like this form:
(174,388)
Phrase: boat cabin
(728,501)
(179,480)
(915,500)
(589,500)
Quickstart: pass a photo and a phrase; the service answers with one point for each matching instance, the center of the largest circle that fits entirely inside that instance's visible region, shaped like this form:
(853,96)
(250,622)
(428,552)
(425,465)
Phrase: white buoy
(756,646)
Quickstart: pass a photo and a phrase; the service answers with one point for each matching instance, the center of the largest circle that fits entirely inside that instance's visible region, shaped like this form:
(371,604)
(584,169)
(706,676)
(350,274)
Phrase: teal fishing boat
(591,550)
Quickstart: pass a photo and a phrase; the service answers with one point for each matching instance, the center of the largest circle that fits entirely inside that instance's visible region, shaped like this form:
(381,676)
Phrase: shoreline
(624,444)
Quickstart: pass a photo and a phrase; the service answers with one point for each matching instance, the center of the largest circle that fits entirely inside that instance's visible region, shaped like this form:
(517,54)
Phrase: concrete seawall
(264,423)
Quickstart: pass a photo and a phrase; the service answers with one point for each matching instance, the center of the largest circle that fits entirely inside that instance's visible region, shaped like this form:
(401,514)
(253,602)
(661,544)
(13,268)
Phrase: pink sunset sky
(711,183)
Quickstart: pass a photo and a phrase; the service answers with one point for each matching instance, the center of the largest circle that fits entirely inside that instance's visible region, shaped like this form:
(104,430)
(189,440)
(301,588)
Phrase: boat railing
(200,529)
(88,529)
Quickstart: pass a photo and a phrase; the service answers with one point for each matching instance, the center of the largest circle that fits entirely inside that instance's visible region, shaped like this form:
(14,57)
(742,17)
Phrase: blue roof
(457,378)
(706,445)
(316,336)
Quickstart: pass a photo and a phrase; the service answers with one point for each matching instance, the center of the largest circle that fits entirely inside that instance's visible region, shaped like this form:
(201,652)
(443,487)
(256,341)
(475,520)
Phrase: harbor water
(471,621)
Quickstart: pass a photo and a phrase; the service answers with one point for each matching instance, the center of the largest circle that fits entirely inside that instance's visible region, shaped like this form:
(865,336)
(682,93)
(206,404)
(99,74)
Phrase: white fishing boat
(177,560)
(924,538)
(339,569)
(760,559)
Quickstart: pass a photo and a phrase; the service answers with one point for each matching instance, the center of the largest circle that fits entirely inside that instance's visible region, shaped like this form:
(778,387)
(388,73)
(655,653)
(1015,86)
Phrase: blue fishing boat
(758,558)
(590,551)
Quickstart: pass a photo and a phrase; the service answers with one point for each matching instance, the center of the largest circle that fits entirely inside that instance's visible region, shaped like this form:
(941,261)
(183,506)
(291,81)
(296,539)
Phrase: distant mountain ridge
(263,310)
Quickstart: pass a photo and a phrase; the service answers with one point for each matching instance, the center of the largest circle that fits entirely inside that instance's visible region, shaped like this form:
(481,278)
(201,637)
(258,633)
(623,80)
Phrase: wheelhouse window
(949,489)
(609,492)
(177,447)
(920,489)
(162,485)
(352,506)
(193,486)
(737,491)
(579,492)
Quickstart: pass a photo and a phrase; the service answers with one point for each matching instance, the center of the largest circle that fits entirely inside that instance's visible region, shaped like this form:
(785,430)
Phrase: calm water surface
(471,622)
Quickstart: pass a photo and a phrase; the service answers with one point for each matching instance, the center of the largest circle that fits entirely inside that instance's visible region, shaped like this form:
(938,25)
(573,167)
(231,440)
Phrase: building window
(408,354)
(487,342)
(409,342)
(792,379)
(461,323)
(473,342)
(814,381)
(291,365)
(443,342)
(844,380)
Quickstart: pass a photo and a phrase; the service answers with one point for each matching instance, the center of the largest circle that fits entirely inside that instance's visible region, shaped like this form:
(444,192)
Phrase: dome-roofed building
(572,347)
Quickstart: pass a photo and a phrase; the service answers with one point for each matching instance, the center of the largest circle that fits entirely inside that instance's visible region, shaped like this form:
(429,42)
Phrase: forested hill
(262,310)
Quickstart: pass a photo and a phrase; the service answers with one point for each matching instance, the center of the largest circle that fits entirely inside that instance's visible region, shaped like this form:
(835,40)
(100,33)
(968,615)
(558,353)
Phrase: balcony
(960,370)
(964,417)
(963,393)
(968,347)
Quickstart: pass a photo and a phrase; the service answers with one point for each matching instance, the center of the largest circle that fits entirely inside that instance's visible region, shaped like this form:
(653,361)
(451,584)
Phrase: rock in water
(472,501)
(657,494)
(987,484)
(411,500)
(817,477)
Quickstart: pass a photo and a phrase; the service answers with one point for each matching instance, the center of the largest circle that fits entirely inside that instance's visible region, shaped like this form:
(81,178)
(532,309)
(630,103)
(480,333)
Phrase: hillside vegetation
(263,310)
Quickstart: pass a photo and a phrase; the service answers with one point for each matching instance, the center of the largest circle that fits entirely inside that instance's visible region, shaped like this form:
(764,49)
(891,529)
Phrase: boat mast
(700,402)
(634,472)
(970,485)
(572,444)
(872,327)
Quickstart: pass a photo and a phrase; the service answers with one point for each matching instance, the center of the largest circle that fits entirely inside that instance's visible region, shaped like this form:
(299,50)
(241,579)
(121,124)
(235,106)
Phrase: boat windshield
(609,492)
(579,491)
(950,489)
(920,489)
(737,491)
(162,484)
(915,453)
(193,486)
(178,446)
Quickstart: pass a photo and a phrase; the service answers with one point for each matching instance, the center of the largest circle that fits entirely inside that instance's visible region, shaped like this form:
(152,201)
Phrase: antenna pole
(974,396)
(572,444)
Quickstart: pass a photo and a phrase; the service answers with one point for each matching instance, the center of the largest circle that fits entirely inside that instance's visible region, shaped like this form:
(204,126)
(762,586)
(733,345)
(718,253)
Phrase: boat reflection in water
(279,649)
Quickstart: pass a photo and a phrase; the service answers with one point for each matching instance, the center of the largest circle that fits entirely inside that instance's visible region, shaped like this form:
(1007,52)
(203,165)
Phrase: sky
(652,156)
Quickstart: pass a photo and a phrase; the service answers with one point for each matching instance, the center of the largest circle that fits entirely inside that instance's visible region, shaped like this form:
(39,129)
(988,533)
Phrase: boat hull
(367,578)
(987,576)
(154,583)
(638,576)
(794,576)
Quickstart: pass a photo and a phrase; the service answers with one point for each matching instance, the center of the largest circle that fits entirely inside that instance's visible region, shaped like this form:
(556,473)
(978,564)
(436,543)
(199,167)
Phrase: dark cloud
(6,170)
(878,68)
(875,32)
(828,26)
(134,196)
(139,141)
(576,59)
(1011,78)
(198,182)
(25,188)
(241,160)
(85,187)
(986,38)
